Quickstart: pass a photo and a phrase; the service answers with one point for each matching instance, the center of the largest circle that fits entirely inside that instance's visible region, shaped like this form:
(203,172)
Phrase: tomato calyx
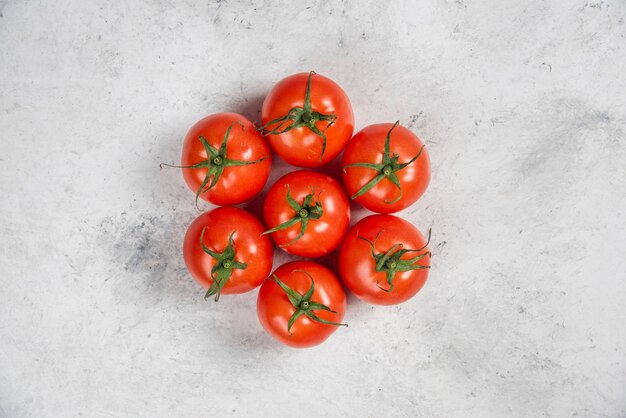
(310,209)
(390,261)
(387,169)
(223,269)
(215,163)
(303,303)
(299,117)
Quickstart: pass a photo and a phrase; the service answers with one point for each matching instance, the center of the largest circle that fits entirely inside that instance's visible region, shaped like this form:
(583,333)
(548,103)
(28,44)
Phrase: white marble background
(521,104)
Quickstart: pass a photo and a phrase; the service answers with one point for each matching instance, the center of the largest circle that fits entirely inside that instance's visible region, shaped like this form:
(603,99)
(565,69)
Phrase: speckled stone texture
(521,105)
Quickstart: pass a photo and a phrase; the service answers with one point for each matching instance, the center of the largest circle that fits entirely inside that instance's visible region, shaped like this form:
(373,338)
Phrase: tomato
(308,213)
(239,162)
(384,260)
(385,168)
(308,119)
(226,253)
(301,304)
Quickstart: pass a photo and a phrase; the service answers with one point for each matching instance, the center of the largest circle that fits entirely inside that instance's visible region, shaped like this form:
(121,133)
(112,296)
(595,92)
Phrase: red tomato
(226,253)
(239,162)
(308,213)
(385,168)
(301,304)
(384,260)
(308,119)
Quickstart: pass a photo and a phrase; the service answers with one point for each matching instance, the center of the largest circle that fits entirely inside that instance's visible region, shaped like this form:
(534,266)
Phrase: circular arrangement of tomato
(225,160)
(225,251)
(385,168)
(384,260)
(308,119)
(301,304)
(307,213)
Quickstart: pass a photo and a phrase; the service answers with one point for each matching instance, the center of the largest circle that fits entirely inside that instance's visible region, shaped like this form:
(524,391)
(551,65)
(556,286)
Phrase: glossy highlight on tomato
(386,236)
(398,180)
(313,210)
(313,324)
(327,118)
(239,173)
(251,260)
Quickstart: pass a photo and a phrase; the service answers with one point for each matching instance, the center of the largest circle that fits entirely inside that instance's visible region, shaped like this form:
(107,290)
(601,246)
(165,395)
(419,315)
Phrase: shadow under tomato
(144,239)
(250,107)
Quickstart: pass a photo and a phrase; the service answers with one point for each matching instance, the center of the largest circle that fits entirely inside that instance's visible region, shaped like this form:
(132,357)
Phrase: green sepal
(294,297)
(316,318)
(293,319)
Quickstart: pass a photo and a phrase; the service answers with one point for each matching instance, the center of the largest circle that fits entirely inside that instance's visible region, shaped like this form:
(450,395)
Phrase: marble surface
(521,104)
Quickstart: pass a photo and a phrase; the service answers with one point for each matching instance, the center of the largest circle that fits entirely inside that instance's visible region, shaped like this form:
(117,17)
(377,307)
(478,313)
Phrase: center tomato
(307,213)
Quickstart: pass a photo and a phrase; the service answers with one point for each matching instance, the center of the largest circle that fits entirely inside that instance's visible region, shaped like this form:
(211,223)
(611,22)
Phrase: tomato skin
(367,146)
(274,308)
(301,147)
(236,184)
(357,267)
(250,247)
(322,235)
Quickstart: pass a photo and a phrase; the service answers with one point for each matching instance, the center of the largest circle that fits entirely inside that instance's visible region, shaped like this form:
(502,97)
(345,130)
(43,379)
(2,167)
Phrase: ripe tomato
(308,213)
(308,119)
(385,168)
(301,304)
(225,160)
(226,253)
(384,260)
